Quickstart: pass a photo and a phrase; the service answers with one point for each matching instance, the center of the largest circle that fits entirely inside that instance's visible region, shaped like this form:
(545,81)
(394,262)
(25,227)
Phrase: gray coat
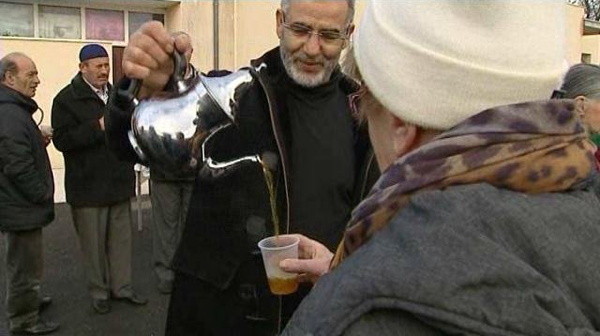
(470,259)
(26,184)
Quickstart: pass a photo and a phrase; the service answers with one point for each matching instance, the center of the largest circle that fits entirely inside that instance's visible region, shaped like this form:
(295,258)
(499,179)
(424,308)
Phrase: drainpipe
(216,34)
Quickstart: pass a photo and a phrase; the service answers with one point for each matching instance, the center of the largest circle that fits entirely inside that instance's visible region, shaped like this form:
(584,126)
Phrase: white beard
(302,78)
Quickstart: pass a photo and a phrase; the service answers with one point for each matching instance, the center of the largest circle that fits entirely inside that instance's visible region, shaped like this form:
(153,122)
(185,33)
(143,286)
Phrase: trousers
(105,240)
(170,201)
(24,264)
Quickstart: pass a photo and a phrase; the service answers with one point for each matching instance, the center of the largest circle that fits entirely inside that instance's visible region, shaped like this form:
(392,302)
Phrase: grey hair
(582,80)
(8,64)
(285,6)
(349,66)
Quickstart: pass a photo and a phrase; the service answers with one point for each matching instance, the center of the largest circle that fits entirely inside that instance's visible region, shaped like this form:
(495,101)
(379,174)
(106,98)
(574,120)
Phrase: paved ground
(64,281)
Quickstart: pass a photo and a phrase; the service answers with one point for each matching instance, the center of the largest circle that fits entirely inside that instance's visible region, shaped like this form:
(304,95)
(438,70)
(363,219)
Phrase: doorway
(117,61)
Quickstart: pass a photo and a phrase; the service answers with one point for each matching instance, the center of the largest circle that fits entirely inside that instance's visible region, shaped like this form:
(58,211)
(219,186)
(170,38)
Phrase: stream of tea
(279,286)
(272,196)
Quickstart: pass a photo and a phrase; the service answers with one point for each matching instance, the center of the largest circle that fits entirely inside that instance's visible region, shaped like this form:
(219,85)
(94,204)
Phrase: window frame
(34,13)
(82,8)
(37,21)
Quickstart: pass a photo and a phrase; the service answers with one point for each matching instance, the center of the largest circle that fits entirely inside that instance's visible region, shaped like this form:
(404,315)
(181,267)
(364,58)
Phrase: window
(136,20)
(59,22)
(586,58)
(19,22)
(103,24)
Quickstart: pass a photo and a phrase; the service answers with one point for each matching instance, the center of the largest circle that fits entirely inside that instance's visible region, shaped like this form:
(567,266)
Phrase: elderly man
(297,111)
(26,194)
(98,186)
(485,218)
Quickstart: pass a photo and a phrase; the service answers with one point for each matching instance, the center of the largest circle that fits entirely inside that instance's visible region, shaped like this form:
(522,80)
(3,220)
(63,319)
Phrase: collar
(102,91)
(82,90)
(10,95)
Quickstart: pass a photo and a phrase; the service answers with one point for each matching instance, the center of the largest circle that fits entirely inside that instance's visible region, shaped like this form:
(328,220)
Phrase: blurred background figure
(485,218)
(170,195)
(98,186)
(26,195)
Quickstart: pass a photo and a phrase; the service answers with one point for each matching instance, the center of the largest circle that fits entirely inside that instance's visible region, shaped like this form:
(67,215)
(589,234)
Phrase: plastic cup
(274,249)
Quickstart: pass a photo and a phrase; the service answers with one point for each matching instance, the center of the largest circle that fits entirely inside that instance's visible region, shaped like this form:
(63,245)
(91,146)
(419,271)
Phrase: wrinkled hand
(148,56)
(46,132)
(313,262)
(47,139)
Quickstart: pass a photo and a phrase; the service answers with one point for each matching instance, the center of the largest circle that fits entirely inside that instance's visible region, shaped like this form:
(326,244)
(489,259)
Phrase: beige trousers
(105,241)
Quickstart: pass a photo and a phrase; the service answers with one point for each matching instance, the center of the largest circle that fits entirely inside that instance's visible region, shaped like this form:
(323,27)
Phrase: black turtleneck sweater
(322,160)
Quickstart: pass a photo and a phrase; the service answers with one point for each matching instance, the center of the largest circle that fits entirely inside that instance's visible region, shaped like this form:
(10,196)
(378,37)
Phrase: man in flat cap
(98,186)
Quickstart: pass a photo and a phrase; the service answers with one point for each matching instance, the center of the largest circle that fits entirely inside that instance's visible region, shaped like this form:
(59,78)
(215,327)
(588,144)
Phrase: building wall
(574,32)
(195,18)
(590,44)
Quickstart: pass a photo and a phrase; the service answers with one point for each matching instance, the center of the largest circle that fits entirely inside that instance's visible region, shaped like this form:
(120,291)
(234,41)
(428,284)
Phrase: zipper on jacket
(278,141)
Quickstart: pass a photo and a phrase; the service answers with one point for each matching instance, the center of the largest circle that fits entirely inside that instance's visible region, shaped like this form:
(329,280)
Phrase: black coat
(94,176)
(26,184)
(230,213)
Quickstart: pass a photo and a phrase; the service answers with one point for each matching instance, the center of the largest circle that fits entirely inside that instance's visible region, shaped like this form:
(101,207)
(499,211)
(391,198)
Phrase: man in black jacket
(26,194)
(296,110)
(98,186)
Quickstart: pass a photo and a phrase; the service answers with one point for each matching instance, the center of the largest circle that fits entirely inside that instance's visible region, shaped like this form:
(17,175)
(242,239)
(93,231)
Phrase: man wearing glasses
(297,112)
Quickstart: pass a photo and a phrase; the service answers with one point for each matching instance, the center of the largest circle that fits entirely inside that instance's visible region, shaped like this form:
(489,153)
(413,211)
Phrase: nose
(312,46)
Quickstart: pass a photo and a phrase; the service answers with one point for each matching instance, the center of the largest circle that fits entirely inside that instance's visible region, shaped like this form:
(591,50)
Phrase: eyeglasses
(328,37)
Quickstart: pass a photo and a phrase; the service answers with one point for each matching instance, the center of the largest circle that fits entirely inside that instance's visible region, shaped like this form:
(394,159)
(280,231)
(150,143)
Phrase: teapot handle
(179,64)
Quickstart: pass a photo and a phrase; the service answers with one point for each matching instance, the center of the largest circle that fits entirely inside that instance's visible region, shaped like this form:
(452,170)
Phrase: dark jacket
(469,260)
(230,213)
(26,184)
(94,176)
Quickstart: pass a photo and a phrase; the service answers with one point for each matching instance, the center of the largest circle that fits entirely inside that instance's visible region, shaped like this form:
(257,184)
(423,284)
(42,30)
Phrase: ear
(9,78)
(279,18)
(580,105)
(404,135)
(81,66)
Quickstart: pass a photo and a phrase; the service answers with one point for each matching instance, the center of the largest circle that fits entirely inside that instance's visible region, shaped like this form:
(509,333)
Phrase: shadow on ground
(64,280)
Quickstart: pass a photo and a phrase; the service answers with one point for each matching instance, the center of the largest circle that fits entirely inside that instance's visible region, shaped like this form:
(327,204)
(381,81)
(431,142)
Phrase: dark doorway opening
(117,61)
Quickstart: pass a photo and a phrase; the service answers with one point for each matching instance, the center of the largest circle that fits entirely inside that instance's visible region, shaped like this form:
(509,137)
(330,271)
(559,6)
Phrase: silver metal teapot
(170,130)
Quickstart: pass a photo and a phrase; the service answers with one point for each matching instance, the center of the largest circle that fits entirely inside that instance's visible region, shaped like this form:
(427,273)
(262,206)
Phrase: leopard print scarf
(532,147)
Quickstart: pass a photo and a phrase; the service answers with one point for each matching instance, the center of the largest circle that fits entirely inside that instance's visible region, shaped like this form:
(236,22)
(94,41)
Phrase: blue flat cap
(92,51)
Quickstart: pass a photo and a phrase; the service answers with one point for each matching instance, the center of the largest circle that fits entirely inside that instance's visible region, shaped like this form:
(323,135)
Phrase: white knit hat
(434,63)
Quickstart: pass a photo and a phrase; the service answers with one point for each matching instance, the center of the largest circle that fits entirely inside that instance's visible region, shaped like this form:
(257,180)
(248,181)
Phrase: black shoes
(101,306)
(133,299)
(40,328)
